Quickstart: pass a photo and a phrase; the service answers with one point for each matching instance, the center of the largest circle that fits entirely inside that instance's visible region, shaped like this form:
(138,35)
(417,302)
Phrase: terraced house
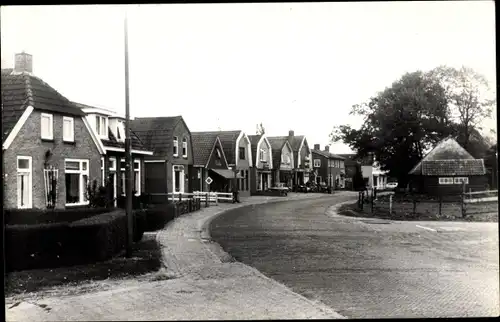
(50,152)
(261,172)
(109,127)
(211,172)
(283,160)
(329,168)
(237,148)
(169,169)
(301,156)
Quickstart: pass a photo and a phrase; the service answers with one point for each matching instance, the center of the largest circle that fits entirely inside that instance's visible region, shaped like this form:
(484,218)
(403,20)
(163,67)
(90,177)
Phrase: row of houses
(53,148)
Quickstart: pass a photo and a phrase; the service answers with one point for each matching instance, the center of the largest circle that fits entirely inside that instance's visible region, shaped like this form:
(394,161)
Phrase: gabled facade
(283,160)
(237,148)
(109,127)
(445,168)
(261,172)
(169,169)
(209,162)
(302,157)
(50,153)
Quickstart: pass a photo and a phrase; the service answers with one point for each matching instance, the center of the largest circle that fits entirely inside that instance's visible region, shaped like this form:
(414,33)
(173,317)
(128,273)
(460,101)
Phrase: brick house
(49,148)
(237,148)
(109,127)
(302,156)
(329,168)
(283,160)
(169,169)
(444,169)
(261,172)
(210,162)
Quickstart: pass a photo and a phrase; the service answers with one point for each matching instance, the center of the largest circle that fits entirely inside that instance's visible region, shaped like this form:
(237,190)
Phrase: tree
(469,99)
(260,129)
(400,124)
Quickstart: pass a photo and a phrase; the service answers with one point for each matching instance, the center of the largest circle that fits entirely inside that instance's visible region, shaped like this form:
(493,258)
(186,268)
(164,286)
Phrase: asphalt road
(368,268)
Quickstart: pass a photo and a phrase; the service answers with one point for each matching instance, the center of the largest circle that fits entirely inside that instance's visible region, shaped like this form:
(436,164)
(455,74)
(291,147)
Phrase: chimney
(316,147)
(24,63)
(327,148)
(291,134)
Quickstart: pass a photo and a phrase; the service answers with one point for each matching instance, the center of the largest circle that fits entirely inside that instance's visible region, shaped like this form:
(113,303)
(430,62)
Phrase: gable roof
(328,154)
(22,90)
(277,143)
(228,141)
(254,140)
(203,144)
(156,133)
(446,149)
(463,167)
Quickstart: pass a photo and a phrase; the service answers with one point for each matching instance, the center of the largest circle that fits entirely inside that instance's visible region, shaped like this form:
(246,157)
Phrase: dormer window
(101,125)
(120,131)
(184,148)
(219,157)
(242,153)
(262,155)
(176,146)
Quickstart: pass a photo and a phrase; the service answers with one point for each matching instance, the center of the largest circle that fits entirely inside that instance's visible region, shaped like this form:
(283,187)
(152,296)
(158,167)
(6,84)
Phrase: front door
(177,181)
(265,182)
(112,181)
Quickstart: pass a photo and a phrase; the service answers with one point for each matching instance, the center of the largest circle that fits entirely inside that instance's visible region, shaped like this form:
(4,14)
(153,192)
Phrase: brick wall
(29,143)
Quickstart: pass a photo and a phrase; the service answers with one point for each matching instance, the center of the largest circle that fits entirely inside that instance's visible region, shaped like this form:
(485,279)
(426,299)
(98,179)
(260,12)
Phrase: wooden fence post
(414,206)
(206,199)
(390,205)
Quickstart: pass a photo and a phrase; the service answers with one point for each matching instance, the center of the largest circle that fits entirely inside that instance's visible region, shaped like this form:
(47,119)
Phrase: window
(461,180)
(47,127)
(445,180)
(137,177)
(101,125)
(184,148)
(218,157)
(242,153)
(176,147)
(76,173)
(262,155)
(68,129)
(102,172)
(317,163)
(120,131)
(24,182)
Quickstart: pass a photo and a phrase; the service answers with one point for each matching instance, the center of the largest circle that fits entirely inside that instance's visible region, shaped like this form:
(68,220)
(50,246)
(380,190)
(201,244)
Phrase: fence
(207,197)
(469,203)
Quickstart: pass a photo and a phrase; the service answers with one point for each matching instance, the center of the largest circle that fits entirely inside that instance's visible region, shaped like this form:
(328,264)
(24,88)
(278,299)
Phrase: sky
(296,66)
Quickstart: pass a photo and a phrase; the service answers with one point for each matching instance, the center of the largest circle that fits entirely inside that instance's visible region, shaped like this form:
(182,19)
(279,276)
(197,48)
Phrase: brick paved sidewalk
(205,287)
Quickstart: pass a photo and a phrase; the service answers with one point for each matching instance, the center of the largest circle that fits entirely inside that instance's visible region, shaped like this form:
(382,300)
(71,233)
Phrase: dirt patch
(353,210)
(145,261)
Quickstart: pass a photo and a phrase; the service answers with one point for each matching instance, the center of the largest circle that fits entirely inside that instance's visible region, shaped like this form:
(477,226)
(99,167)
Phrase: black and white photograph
(249,161)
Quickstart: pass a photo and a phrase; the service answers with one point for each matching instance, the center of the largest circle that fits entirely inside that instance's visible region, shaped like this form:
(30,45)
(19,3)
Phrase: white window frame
(81,172)
(460,180)
(122,177)
(446,180)
(102,127)
(28,171)
(70,137)
(102,170)
(176,146)
(50,135)
(317,163)
(184,147)
(262,155)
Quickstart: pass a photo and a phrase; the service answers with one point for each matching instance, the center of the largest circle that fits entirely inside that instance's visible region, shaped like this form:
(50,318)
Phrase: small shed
(445,168)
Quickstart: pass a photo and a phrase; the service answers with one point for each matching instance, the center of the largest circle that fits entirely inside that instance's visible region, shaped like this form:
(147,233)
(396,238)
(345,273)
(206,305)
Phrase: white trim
(213,148)
(93,134)
(292,163)
(134,170)
(30,181)
(181,178)
(249,148)
(106,126)
(184,141)
(108,148)
(71,137)
(154,161)
(50,136)
(299,162)
(15,130)
(103,173)
(314,163)
(115,176)
(257,160)
(81,173)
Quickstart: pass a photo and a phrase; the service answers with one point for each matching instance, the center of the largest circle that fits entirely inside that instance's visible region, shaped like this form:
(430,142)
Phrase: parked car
(323,187)
(391,185)
(304,188)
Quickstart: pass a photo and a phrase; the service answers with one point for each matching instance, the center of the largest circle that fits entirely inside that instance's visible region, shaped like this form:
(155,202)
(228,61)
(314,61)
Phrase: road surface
(368,268)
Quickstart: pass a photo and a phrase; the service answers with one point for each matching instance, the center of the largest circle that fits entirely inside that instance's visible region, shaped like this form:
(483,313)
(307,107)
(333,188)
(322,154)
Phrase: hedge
(82,241)
(47,216)
(160,215)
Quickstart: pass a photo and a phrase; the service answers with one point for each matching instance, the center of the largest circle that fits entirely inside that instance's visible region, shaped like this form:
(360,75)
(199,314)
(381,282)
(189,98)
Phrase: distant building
(329,168)
(372,173)
(445,168)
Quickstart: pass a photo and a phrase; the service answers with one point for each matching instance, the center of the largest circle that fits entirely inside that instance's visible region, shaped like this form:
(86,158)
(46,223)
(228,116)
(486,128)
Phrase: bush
(82,241)
(47,216)
(159,216)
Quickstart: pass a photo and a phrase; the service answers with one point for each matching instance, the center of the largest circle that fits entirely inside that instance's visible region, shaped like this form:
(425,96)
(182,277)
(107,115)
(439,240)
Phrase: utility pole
(128,155)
